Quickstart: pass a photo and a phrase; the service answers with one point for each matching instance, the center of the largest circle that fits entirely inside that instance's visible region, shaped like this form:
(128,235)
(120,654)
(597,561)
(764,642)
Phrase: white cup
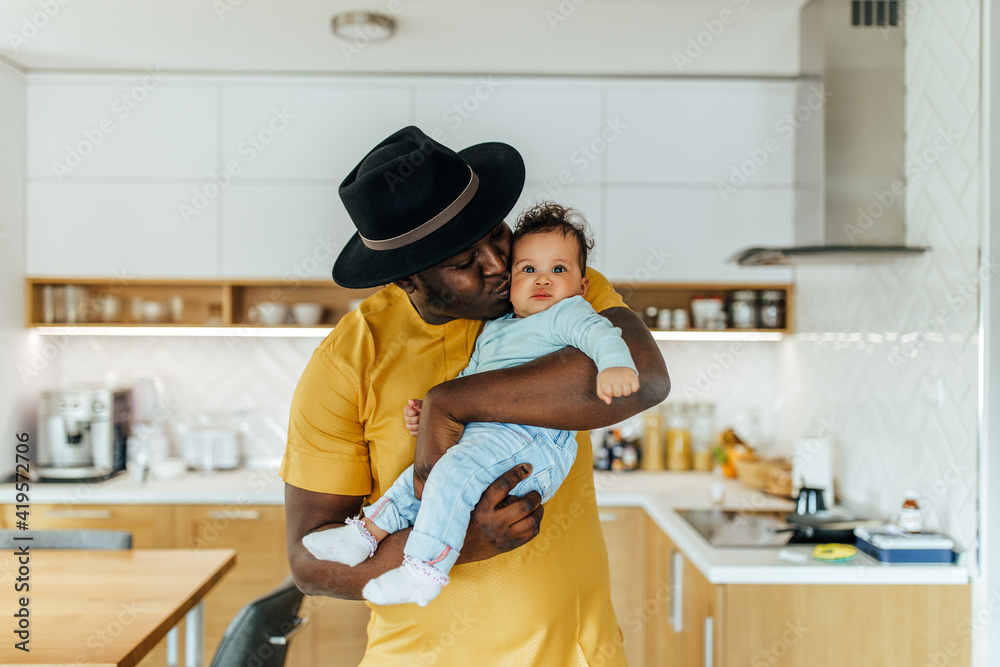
(269,313)
(307,314)
(151,311)
(110,307)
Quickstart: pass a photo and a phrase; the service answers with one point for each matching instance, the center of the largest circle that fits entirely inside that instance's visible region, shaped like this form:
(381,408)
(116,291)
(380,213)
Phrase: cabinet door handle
(238,515)
(709,626)
(78,514)
(677,586)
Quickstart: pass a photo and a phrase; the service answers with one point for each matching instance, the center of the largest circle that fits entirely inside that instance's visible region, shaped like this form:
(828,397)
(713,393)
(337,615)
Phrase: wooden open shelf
(679,295)
(205,302)
(228,302)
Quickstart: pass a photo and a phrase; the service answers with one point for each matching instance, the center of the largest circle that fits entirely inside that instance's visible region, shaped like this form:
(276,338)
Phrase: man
(430,222)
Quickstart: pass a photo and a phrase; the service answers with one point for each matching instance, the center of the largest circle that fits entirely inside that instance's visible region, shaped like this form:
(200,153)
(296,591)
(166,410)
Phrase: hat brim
(501,179)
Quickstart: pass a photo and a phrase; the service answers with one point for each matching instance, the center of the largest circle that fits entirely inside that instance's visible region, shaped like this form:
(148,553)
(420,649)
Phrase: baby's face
(545,271)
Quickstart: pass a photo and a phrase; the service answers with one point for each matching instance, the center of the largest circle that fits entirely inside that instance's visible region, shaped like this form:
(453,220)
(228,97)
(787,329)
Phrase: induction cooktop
(742,529)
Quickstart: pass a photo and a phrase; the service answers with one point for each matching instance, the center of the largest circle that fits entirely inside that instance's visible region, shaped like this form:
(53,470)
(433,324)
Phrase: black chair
(66,539)
(259,634)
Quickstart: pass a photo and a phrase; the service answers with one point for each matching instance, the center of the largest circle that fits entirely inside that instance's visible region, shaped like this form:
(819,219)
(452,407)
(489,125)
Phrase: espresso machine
(82,433)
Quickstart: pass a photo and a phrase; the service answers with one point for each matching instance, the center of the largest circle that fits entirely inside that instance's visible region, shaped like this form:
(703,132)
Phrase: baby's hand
(616,381)
(411,415)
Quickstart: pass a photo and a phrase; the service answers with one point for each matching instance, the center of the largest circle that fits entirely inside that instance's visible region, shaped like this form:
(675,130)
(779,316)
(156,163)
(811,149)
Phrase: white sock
(414,581)
(350,544)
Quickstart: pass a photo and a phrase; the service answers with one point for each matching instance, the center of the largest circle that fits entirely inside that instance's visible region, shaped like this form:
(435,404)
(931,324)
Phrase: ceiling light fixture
(366,25)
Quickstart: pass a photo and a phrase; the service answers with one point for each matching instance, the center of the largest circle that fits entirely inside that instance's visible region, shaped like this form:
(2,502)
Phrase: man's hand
(411,415)
(438,432)
(500,522)
(616,382)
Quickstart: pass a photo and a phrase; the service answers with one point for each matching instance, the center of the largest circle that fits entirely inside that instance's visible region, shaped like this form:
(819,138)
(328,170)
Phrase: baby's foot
(350,544)
(414,581)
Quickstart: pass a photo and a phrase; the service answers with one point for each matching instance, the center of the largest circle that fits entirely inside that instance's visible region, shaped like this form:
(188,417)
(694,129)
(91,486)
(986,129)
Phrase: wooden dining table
(106,608)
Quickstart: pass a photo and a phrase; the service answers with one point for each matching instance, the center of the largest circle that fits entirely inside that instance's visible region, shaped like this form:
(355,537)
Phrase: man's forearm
(320,577)
(554,391)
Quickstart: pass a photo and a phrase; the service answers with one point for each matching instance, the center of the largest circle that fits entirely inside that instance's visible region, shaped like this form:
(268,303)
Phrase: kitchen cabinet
(557,126)
(890,626)
(147,125)
(256,532)
(696,609)
(734,625)
(151,528)
(336,628)
(236,177)
(701,131)
(625,535)
(283,231)
(663,646)
(298,129)
(130,230)
(659,233)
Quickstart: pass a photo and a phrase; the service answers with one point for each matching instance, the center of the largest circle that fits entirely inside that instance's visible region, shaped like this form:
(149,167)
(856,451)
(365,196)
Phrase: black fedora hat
(416,202)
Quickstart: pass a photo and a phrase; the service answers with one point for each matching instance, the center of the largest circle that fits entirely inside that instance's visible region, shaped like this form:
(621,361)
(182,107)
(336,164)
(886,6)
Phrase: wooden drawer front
(625,536)
(257,533)
(151,525)
(335,628)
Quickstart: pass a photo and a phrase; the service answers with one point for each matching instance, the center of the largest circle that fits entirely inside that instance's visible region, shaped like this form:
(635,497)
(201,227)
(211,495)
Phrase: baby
(547,289)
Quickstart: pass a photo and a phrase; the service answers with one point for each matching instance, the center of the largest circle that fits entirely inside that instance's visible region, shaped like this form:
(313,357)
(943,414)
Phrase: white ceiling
(601,37)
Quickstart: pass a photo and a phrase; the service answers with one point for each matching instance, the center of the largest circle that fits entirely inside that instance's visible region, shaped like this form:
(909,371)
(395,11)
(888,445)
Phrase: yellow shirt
(546,603)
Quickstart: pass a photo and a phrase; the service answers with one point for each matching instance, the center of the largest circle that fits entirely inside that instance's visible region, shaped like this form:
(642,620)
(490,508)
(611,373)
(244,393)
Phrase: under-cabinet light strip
(718,335)
(322,332)
(226,332)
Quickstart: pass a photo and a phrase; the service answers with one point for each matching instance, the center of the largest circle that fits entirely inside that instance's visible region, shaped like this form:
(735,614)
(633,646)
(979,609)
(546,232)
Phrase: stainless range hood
(850,155)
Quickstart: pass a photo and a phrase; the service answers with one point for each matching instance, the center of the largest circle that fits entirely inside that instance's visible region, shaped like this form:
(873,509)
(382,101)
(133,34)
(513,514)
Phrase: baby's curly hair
(551,217)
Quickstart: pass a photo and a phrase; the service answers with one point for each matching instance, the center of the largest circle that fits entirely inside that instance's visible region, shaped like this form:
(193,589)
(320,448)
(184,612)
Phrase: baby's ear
(584,286)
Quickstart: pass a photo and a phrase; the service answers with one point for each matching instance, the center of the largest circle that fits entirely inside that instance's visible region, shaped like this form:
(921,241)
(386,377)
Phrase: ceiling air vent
(875,13)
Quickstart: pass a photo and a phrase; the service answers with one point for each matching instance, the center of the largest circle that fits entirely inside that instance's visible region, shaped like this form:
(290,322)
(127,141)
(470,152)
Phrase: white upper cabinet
(307,131)
(186,176)
(658,234)
(143,126)
(122,230)
(287,232)
(551,123)
(737,132)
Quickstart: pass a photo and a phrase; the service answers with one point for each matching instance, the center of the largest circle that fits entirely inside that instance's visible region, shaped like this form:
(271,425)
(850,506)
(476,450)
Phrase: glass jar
(772,309)
(652,440)
(743,309)
(677,441)
(702,424)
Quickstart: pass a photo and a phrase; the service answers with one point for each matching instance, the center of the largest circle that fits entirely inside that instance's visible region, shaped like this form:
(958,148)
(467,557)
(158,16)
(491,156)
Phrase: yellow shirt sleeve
(601,295)
(326,450)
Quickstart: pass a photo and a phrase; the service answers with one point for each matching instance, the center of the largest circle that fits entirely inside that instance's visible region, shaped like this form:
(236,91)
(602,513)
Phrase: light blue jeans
(457,481)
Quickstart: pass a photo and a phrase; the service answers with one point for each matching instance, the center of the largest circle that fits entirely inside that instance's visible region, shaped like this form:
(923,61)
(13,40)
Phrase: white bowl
(168,469)
(269,313)
(307,314)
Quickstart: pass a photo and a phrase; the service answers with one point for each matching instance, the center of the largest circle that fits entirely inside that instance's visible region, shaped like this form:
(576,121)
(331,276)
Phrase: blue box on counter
(906,555)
